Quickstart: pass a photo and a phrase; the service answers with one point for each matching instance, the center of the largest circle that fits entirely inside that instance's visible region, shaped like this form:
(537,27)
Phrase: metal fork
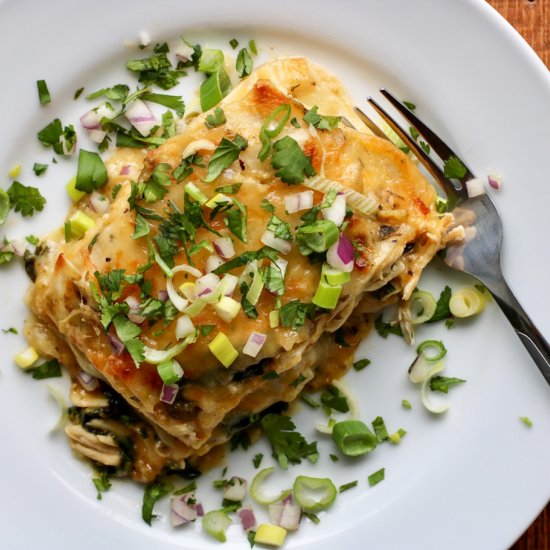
(479,253)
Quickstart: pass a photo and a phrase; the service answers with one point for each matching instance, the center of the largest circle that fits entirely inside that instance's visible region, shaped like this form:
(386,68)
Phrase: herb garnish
(290,162)
(443,383)
(25,199)
(39,169)
(321,122)
(244,63)
(216,118)
(453,168)
(49,369)
(91,173)
(153,492)
(225,154)
(43,93)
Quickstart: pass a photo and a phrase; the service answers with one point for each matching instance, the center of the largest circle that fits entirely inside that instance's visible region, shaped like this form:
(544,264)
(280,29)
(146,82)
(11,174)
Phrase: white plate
(475,478)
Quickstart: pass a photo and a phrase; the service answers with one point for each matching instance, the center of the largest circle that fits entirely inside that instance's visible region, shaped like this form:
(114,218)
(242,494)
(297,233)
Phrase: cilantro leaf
(171,101)
(91,173)
(267,206)
(280,228)
(293,314)
(229,189)
(244,63)
(49,369)
(102,484)
(63,140)
(321,122)
(288,445)
(156,69)
(25,199)
(125,329)
(442,310)
(384,328)
(290,162)
(273,280)
(453,168)
(236,220)
(216,118)
(245,257)
(153,492)
(409,105)
(39,169)
(158,183)
(443,383)
(225,154)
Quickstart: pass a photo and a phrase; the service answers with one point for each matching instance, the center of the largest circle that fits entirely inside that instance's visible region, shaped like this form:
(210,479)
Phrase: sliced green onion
(272,127)
(216,200)
(466,302)
(272,535)
(366,204)
(256,287)
(314,494)
(14,171)
(318,236)
(227,308)
(427,344)
(163,265)
(326,296)
(156,357)
(425,390)
(222,348)
(377,477)
(423,306)
(170,371)
(527,421)
(211,60)
(353,437)
(334,276)
(195,193)
(43,92)
(274,318)
(256,489)
(73,192)
(214,89)
(195,308)
(80,223)
(62,403)
(215,523)
(4,206)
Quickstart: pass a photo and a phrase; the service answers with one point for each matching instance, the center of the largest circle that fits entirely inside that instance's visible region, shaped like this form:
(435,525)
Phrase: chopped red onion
(254,344)
(87,381)
(224,247)
(495,180)
(235,489)
(17,246)
(282,265)
(299,201)
(247,517)
(91,120)
(213,262)
(341,254)
(475,187)
(206,285)
(200,510)
(162,295)
(183,52)
(269,239)
(140,117)
(275,511)
(168,393)
(290,517)
(183,509)
(116,343)
(336,212)
(144,38)
(125,170)
(134,304)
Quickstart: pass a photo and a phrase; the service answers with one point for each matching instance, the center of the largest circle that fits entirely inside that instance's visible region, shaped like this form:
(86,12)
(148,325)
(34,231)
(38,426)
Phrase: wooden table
(532,19)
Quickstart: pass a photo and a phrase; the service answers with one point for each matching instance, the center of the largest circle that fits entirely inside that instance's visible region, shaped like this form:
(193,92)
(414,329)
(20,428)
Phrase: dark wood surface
(531,18)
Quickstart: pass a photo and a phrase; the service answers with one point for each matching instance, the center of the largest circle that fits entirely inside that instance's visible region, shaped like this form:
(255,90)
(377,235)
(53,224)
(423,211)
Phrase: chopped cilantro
(156,69)
(236,220)
(453,168)
(377,477)
(311,516)
(225,154)
(384,328)
(153,492)
(361,364)
(294,122)
(91,173)
(39,169)
(32,239)
(25,199)
(205,330)
(332,399)
(334,458)
(414,132)
(290,162)
(43,92)
(442,383)
(49,369)
(102,484)
(442,310)
(409,105)
(244,63)
(171,101)
(406,404)
(425,147)
(233,43)
(229,189)
(245,257)
(54,135)
(257,460)
(116,189)
(78,93)
(267,206)
(309,401)
(280,228)
(252,46)
(273,280)
(288,445)
(320,121)
(158,183)
(215,118)
(10,330)
(141,227)
(293,314)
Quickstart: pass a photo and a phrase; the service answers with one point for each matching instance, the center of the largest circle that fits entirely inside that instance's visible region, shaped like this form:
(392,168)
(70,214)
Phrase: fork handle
(532,339)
